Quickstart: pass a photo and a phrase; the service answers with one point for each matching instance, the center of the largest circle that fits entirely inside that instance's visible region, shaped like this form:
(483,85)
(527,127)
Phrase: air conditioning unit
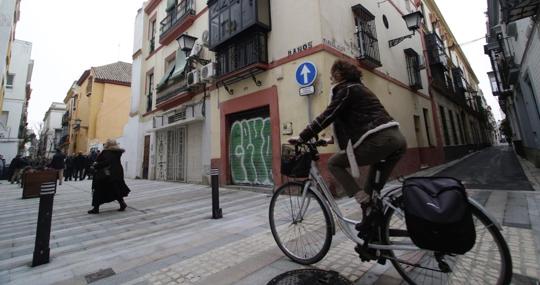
(208,72)
(193,78)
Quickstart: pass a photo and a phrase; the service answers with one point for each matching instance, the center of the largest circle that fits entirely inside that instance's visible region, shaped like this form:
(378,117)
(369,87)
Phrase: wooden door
(146,157)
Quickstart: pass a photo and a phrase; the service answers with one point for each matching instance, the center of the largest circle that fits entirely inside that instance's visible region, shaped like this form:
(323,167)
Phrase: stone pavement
(166,236)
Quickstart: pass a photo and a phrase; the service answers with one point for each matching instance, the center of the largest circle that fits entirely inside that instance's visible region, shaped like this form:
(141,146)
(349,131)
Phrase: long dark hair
(347,70)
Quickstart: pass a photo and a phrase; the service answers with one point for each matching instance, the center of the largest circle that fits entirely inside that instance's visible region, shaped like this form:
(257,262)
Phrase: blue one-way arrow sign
(306,73)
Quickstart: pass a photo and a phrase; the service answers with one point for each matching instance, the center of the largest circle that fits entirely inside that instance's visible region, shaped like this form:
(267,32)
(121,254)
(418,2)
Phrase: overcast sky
(70,36)
(467,20)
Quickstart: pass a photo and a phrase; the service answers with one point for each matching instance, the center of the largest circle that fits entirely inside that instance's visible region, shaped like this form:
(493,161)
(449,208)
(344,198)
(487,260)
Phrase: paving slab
(166,236)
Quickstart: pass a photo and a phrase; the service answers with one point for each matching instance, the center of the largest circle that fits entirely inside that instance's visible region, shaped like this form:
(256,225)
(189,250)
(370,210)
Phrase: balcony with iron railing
(435,50)
(174,85)
(178,19)
(247,55)
(65,119)
(513,10)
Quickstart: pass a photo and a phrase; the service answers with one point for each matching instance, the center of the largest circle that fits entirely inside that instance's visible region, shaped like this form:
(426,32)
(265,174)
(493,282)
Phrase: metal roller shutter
(250,148)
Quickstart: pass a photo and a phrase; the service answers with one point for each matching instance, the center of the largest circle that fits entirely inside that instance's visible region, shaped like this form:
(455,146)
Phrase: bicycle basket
(295,162)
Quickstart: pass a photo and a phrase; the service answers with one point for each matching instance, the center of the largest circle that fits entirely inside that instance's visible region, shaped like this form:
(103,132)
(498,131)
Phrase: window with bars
(152,35)
(444,125)
(367,37)
(149,91)
(9,81)
(413,68)
(453,125)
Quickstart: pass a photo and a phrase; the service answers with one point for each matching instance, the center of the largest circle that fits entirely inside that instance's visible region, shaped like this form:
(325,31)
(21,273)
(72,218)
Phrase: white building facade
(164,139)
(9,16)
(52,129)
(513,45)
(231,99)
(14,113)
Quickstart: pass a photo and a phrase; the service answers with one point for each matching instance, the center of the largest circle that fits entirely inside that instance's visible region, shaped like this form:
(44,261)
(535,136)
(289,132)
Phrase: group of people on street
(17,166)
(103,167)
(80,166)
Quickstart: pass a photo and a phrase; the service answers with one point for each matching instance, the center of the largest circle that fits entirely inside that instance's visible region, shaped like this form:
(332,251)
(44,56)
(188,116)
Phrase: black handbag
(438,214)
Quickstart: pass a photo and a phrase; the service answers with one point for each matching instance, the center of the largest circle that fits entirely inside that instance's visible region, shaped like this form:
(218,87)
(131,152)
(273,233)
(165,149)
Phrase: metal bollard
(216,210)
(43,232)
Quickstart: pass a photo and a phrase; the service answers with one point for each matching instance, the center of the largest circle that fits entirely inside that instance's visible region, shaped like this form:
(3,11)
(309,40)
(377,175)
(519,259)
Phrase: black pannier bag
(438,214)
(295,163)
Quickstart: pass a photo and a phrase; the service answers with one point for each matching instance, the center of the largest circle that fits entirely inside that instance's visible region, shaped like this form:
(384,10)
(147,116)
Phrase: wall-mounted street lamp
(77,123)
(186,43)
(413,21)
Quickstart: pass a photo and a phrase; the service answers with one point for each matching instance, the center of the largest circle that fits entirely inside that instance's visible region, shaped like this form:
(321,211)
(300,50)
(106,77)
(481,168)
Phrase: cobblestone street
(166,236)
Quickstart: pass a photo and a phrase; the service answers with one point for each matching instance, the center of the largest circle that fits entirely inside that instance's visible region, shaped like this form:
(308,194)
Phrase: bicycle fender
(491,218)
(326,207)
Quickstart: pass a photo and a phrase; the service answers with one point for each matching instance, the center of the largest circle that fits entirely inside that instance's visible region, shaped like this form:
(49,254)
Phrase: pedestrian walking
(69,168)
(80,166)
(2,167)
(108,183)
(16,166)
(88,168)
(58,164)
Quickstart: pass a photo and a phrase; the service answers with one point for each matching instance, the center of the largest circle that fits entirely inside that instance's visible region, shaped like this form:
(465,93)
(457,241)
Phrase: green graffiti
(250,152)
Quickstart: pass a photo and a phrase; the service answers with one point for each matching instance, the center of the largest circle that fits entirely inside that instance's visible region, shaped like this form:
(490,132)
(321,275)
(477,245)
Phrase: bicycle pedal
(366,255)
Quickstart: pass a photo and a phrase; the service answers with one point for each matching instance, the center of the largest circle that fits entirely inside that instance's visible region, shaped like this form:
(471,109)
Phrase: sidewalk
(166,236)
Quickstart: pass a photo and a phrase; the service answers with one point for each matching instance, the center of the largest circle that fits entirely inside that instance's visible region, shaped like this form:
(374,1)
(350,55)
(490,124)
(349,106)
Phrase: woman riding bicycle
(363,128)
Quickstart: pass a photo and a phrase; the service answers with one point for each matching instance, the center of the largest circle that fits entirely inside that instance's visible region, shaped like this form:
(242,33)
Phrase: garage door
(250,148)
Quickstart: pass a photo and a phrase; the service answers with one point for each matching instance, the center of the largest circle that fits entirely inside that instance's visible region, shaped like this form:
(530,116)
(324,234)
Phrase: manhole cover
(309,277)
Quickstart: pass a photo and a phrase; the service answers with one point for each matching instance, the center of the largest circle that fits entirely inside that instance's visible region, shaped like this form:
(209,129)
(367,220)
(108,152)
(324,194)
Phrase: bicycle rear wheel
(305,238)
(488,262)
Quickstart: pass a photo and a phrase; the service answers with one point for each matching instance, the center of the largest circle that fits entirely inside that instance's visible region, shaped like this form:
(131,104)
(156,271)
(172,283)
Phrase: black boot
(368,232)
(123,205)
(367,219)
(94,210)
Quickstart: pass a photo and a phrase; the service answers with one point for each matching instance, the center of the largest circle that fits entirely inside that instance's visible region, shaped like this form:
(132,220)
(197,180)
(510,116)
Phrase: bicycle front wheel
(300,225)
(488,262)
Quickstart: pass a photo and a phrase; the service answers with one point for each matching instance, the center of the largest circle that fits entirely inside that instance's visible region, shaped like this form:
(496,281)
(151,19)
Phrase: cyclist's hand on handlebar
(295,140)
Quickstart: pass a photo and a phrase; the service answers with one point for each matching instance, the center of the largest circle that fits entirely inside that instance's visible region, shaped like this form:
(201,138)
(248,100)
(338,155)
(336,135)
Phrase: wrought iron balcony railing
(513,10)
(176,15)
(242,53)
(65,119)
(435,50)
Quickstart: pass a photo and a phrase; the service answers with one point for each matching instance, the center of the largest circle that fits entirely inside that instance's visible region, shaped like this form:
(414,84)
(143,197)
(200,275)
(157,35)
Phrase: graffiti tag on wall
(250,152)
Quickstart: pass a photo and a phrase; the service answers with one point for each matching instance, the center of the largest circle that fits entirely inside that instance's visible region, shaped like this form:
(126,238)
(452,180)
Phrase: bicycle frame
(319,187)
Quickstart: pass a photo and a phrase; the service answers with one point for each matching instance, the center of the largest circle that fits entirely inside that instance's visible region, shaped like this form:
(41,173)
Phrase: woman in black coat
(108,182)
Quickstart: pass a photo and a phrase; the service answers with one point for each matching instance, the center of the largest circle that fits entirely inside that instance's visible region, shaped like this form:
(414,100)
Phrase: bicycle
(302,222)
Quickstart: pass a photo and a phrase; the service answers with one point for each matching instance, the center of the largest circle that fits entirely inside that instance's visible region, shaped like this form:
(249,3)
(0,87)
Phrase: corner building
(235,98)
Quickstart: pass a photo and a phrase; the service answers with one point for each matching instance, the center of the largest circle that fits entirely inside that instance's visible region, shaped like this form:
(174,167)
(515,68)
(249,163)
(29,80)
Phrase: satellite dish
(204,38)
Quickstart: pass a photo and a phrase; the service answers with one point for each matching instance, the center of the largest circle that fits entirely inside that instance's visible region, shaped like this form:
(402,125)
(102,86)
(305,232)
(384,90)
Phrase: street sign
(308,90)
(306,73)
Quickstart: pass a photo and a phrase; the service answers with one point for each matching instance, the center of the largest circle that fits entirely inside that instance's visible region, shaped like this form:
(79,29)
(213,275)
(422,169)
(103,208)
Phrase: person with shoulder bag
(108,182)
